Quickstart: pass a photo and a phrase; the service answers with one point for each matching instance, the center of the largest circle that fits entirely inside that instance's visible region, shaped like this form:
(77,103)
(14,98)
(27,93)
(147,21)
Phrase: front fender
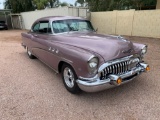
(138,47)
(77,58)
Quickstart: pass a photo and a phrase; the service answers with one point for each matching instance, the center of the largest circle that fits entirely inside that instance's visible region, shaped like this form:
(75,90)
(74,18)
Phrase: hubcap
(68,77)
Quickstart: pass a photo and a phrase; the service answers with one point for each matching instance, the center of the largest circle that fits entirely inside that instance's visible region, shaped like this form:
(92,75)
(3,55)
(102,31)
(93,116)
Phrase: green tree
(81,2)
(18,6)
(107,5)
(53,3)
(40,4)
(64,4)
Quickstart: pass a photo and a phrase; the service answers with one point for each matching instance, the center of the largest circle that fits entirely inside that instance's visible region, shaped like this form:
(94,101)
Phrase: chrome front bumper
(95,84)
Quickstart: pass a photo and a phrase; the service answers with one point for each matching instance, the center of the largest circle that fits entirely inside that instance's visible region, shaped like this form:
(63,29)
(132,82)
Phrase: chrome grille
(118,68)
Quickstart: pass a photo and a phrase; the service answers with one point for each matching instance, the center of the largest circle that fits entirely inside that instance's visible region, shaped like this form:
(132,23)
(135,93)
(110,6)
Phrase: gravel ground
(29,90)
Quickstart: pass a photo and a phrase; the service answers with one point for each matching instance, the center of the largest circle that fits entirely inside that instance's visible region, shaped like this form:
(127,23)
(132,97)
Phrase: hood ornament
(121,38)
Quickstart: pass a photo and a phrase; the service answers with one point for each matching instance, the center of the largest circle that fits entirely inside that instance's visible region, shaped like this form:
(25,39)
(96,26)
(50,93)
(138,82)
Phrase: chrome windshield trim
(103,66)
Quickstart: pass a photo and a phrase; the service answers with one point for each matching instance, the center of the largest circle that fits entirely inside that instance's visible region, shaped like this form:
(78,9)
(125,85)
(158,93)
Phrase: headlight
(144,50)
(92,65)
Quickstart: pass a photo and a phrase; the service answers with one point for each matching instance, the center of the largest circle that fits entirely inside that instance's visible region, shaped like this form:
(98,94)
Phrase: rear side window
(42,27)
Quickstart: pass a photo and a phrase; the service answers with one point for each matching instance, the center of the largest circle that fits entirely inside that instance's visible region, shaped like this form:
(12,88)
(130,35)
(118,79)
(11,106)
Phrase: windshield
(61,26)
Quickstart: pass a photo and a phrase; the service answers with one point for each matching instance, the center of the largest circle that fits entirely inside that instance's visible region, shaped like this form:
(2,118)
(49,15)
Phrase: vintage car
(87,61)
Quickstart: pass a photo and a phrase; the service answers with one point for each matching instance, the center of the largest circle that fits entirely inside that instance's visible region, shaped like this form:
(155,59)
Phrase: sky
(1,5)
(68,1)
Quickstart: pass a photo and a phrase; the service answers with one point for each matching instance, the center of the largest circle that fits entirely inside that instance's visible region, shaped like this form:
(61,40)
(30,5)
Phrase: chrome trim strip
(123,67)
(121,71)
(110,70)
(118,68)
(126,66)
(113,69)
(105,73)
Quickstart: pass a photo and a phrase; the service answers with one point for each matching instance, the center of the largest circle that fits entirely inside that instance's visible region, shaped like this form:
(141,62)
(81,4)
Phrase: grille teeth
(118,68)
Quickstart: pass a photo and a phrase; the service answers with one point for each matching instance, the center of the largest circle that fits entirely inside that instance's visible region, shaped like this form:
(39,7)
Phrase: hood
(107,46)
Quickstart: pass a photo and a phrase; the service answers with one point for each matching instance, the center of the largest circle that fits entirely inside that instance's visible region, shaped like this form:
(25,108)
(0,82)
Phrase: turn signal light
(119,81)
(148,68)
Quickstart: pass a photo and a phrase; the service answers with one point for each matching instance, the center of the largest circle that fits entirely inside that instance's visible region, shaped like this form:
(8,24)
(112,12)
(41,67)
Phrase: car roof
(53,18)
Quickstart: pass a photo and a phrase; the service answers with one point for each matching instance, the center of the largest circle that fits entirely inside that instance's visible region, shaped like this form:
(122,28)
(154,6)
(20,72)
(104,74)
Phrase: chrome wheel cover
(68,77)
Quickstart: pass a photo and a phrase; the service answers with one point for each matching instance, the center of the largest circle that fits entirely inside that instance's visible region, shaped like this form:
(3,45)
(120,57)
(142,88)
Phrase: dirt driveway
(29,90)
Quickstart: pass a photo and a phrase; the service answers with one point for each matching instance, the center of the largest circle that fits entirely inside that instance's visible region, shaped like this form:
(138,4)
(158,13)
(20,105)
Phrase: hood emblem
(122,38)
(127,51)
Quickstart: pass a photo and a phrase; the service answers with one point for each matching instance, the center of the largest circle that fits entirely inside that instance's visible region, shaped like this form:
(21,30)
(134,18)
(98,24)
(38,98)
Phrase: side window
(60,26)
(45,27)
(83,25)
(36,27)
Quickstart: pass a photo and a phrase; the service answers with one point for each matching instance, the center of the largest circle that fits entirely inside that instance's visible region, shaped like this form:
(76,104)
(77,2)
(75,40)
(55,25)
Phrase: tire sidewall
(75,89)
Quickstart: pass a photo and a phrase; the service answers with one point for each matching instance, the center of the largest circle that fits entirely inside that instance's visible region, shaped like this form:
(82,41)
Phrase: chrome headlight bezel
(93,64)
(144,50)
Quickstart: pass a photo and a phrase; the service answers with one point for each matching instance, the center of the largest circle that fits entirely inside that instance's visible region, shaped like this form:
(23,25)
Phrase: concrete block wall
(147,23)
(28,18)
(124,22)
(128,22)
(104,21)
(158,4)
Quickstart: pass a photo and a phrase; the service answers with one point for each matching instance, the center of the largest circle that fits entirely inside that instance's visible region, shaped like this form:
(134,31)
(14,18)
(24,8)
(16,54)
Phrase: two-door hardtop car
(88,61)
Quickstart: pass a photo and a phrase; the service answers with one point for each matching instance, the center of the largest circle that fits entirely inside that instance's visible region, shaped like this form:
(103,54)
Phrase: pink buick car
(87,61)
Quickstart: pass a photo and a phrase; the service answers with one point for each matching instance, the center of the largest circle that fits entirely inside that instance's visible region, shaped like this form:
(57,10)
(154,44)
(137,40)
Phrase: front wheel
(69,79)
